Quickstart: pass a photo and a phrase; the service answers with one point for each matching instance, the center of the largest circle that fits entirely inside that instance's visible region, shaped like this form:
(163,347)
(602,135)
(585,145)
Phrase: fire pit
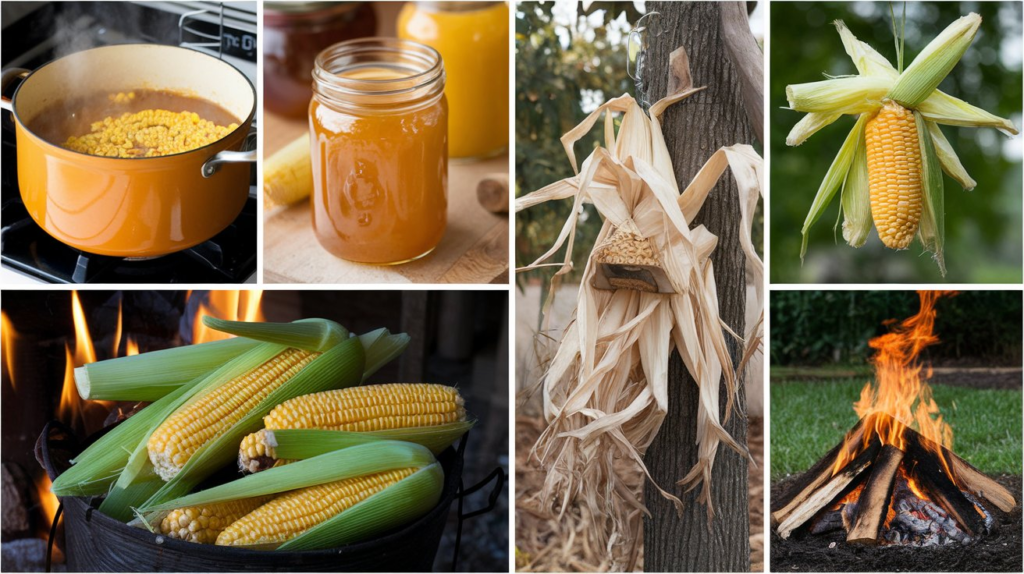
(894,479)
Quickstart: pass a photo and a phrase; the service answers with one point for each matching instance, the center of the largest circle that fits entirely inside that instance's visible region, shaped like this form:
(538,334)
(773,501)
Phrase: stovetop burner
(229,257)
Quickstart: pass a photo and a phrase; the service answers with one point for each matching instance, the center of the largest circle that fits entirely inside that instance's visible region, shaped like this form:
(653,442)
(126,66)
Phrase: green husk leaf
(300,444)
(306,334)
(398,504)
(834,178)
(948,158)
(381,348)
(808,126)
(119,502)
(856,200)
(935,62)
(150,376)
(867,60)
(351,462)
(337,368)
(99,465)
(932,231)
(847,95)
(138,467)
(944,109)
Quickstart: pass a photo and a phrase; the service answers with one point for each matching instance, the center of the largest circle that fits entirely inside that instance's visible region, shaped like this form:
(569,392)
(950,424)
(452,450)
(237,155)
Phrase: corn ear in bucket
(606,389)
(896,138)
(335,498)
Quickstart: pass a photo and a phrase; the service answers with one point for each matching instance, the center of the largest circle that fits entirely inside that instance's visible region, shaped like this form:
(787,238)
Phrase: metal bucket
(94,542)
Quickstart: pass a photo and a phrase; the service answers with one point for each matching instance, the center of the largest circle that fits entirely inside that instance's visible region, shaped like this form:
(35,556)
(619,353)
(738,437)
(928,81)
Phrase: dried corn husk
(606,389)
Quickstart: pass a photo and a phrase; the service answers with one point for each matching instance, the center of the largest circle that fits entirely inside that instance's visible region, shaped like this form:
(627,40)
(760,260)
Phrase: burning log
(812,479)
(970,478)
(928,470)
(809,501)
(873,504)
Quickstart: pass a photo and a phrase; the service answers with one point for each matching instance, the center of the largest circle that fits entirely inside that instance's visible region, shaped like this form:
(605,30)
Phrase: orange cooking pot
(132,207)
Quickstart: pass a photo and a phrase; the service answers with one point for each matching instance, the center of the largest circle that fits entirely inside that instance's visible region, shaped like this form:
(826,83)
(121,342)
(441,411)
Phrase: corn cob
(291,514)
(288,174)
(184,432)
(894,167)
(202,524)
(362,409)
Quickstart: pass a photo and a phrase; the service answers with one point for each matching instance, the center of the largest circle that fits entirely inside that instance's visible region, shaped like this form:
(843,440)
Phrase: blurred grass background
(810,417)
(983,227)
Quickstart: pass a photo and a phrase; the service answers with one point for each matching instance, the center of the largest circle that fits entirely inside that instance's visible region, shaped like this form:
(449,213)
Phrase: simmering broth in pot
(140,123)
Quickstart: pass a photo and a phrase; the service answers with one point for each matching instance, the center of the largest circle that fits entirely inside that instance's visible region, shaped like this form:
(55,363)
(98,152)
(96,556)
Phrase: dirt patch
(997,552)
(544,544)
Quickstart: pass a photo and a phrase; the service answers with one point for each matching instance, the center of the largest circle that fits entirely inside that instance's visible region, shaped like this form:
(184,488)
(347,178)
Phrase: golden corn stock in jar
(379,143)
(472,38)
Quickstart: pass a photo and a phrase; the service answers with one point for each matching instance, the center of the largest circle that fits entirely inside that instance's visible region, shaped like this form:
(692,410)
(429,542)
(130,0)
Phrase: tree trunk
(694,129)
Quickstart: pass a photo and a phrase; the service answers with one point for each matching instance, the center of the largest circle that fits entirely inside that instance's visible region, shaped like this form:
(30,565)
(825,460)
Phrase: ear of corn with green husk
(298,444)
(122,456)
(337,366)
(151,376)
(898,130)
(339,497)
(399,408)
(606,389)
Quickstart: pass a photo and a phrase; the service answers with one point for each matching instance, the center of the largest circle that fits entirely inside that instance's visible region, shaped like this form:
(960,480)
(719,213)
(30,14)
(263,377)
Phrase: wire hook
(646,27)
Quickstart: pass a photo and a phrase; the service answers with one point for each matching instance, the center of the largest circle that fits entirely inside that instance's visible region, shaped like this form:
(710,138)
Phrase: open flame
(233,305)
(900,388)
(83,416)
(7,337)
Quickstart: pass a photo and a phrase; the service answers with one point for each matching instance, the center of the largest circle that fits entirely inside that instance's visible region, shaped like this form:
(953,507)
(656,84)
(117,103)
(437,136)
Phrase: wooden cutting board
(474,248)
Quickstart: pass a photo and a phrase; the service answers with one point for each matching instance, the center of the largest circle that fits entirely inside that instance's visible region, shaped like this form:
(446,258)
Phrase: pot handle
(8,76)
(212,165)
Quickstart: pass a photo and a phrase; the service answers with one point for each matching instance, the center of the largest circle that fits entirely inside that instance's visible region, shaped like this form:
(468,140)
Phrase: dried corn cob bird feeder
(648,290)
(890,165)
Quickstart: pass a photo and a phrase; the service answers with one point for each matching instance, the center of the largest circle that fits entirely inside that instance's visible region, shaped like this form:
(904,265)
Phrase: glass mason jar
(293,34)
(378,125)
(472,38)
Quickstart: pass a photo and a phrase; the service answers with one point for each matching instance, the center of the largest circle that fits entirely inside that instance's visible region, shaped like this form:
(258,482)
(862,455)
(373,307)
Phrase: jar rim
(422,69)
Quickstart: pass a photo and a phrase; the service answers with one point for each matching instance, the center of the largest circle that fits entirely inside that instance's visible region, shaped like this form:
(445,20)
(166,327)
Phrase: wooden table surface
(474,248)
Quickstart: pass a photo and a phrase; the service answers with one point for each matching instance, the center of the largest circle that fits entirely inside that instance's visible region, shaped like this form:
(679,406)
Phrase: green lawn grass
(810,417)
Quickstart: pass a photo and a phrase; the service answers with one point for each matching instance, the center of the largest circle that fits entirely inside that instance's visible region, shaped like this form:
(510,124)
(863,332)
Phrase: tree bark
(694,129)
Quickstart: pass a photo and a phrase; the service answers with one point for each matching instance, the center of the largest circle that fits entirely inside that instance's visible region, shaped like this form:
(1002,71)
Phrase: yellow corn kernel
(202,524)
(148,133)
(291,514)
(894,174)
(212,414)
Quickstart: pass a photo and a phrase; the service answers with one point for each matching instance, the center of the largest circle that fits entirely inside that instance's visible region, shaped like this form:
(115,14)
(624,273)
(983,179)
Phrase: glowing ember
(233,305)
(900,388)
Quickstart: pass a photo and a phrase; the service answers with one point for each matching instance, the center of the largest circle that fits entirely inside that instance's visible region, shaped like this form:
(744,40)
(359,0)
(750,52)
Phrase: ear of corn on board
(341,482)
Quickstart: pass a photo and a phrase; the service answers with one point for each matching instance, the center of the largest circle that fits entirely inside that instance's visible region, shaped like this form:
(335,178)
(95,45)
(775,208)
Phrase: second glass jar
(379,142)
(472,38)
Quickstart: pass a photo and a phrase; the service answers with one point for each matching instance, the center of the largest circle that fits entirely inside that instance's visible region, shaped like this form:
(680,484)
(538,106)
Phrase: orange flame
(900,389)
(7,338)
(117,332)
(131,347)
(84,416)
(47,504)
(233,305)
